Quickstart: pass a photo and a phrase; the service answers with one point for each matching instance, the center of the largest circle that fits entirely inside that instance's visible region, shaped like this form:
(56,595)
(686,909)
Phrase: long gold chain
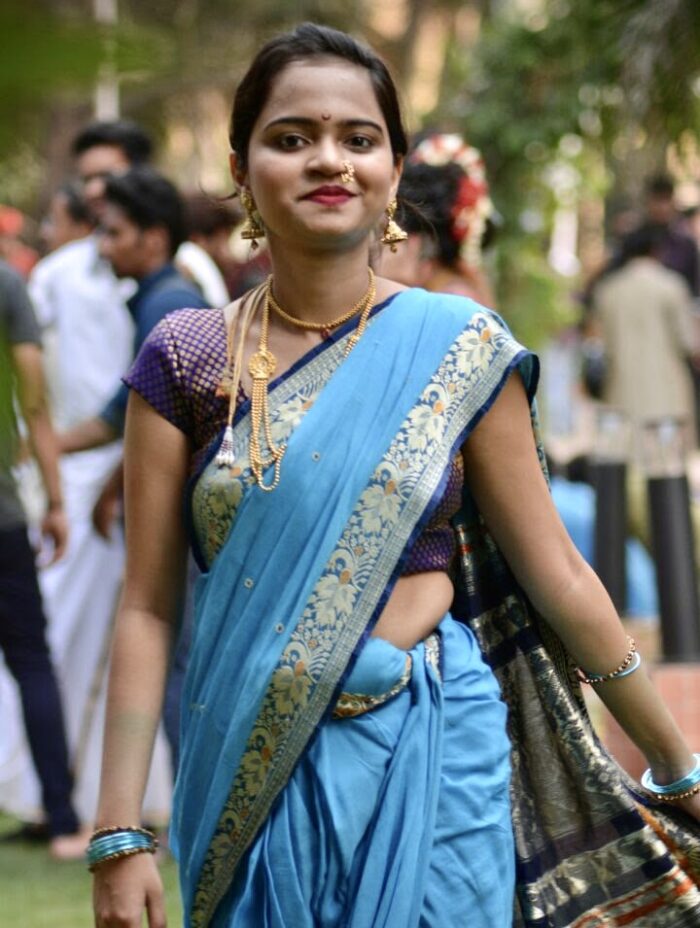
(325,328)
(262,366)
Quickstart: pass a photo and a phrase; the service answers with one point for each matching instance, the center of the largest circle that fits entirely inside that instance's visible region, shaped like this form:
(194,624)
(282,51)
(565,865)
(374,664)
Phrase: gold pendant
(262,364)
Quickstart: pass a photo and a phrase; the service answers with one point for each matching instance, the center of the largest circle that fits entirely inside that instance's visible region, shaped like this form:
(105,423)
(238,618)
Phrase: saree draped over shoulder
(288,602)
(293,810)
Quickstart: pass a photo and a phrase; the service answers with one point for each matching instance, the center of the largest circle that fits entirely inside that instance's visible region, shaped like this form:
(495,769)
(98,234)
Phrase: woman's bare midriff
(416,605)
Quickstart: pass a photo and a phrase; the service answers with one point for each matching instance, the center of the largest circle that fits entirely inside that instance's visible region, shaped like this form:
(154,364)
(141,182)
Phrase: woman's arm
(156,460)
(504,476)
(31,392)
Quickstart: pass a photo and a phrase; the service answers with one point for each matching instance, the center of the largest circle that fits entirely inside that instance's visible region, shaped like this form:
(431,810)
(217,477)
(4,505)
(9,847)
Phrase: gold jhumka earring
(348,174)
(253,228)
(393,233)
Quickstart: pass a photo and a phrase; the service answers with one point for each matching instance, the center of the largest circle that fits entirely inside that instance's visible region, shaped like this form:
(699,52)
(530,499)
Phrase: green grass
(37,892)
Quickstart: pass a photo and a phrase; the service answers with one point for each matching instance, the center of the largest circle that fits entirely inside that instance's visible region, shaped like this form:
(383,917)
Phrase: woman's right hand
(123,888)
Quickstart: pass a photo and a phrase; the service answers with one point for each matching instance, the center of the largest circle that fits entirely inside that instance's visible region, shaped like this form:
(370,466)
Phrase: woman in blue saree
(345,753)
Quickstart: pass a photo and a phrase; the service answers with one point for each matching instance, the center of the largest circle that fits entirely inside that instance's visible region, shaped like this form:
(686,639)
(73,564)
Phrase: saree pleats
(385,823)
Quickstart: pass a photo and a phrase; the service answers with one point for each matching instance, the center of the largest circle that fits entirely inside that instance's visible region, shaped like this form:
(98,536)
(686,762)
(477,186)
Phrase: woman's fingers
(155,907)
(124,889)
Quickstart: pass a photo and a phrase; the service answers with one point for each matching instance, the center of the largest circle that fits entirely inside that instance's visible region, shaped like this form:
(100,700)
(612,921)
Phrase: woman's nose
(327,157)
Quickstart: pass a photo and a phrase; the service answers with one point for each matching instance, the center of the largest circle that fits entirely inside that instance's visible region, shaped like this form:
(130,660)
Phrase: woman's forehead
(318,87)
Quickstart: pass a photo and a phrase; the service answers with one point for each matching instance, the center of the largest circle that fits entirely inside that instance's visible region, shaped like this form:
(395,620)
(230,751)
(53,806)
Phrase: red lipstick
(329,195)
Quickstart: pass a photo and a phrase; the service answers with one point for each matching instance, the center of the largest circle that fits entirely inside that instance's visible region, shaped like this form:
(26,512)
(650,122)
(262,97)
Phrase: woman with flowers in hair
(447,212)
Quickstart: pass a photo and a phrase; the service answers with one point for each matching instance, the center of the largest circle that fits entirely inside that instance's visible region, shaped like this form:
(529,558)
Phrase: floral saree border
(346,595)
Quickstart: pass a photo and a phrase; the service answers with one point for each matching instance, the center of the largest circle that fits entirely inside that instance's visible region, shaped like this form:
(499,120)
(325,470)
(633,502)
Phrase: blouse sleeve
(157,376)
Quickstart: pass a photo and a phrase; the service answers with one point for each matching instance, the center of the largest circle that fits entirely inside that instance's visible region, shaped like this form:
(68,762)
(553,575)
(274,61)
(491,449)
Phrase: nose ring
(348,174)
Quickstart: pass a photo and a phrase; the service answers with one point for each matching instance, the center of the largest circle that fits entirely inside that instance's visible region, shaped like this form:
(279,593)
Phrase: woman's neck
(319,288)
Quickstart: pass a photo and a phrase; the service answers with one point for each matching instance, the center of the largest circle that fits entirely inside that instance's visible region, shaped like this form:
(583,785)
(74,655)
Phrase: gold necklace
(262,366)
(325,328)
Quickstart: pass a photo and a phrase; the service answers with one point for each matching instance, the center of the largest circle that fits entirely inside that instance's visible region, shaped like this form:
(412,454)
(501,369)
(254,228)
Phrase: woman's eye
(289,142)
(360,141)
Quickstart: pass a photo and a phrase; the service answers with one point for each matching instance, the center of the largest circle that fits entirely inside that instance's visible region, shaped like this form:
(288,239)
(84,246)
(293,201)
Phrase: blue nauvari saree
(287,816)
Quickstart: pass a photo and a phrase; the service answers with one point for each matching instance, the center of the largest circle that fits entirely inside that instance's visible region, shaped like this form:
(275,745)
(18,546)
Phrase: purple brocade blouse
(179,371)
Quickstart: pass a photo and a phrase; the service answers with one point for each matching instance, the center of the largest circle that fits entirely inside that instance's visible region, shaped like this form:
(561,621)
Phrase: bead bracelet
(686,786)
(631,663)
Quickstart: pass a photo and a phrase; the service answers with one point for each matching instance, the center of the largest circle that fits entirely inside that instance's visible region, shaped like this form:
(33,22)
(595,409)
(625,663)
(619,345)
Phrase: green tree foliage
(568,86)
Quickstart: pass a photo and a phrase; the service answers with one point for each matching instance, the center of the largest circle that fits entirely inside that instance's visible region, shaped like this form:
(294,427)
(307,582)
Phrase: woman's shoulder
(184,341)
(455,306)
(189,323)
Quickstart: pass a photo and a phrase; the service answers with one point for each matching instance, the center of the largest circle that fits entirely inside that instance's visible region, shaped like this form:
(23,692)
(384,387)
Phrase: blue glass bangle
(119,836)
(634,664)
(111,845)
(94,857)
(117,843)
(672,790)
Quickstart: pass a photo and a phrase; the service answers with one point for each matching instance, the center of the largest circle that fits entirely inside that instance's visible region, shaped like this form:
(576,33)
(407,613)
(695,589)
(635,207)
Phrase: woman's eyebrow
(308,121)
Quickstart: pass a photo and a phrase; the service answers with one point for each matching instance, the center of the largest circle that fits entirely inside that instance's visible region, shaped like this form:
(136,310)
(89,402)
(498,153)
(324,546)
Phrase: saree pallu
(593,850)
(290,597)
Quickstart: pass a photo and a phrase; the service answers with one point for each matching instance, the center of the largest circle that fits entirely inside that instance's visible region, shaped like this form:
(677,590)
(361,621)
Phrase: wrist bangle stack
(632,662)
(686,786)
(116,842)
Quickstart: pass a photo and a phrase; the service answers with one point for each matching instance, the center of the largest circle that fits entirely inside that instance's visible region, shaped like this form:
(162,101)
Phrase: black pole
(674,553)
(611,529)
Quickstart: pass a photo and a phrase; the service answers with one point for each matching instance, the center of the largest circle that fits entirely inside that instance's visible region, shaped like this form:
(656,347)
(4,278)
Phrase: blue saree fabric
(398,817)
(269,789)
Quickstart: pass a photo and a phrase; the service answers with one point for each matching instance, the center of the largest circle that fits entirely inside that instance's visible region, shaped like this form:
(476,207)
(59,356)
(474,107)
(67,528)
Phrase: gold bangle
(128,852)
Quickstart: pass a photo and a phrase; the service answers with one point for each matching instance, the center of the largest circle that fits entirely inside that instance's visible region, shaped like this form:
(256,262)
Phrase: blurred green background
(572,104)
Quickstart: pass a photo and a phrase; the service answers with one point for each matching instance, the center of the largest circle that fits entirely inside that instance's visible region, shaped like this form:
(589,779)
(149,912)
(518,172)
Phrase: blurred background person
(22,622)
(67,219)
(142,228)
(13,246)
(446,211)
(206,256)
(676,249)
(643,312)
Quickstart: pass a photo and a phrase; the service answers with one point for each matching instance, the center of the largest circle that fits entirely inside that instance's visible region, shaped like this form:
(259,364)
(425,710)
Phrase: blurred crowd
(643,339)
(119,247)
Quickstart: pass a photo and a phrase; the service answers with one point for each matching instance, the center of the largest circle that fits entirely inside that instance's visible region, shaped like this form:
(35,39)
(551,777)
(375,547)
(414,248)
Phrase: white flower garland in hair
(473,205)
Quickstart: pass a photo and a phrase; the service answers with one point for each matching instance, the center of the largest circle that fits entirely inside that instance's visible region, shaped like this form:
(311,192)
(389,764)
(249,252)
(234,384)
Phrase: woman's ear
(398,171)
(237,173)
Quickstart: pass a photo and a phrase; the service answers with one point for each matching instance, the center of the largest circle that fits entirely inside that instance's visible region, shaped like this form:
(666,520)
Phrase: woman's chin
(328,236)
